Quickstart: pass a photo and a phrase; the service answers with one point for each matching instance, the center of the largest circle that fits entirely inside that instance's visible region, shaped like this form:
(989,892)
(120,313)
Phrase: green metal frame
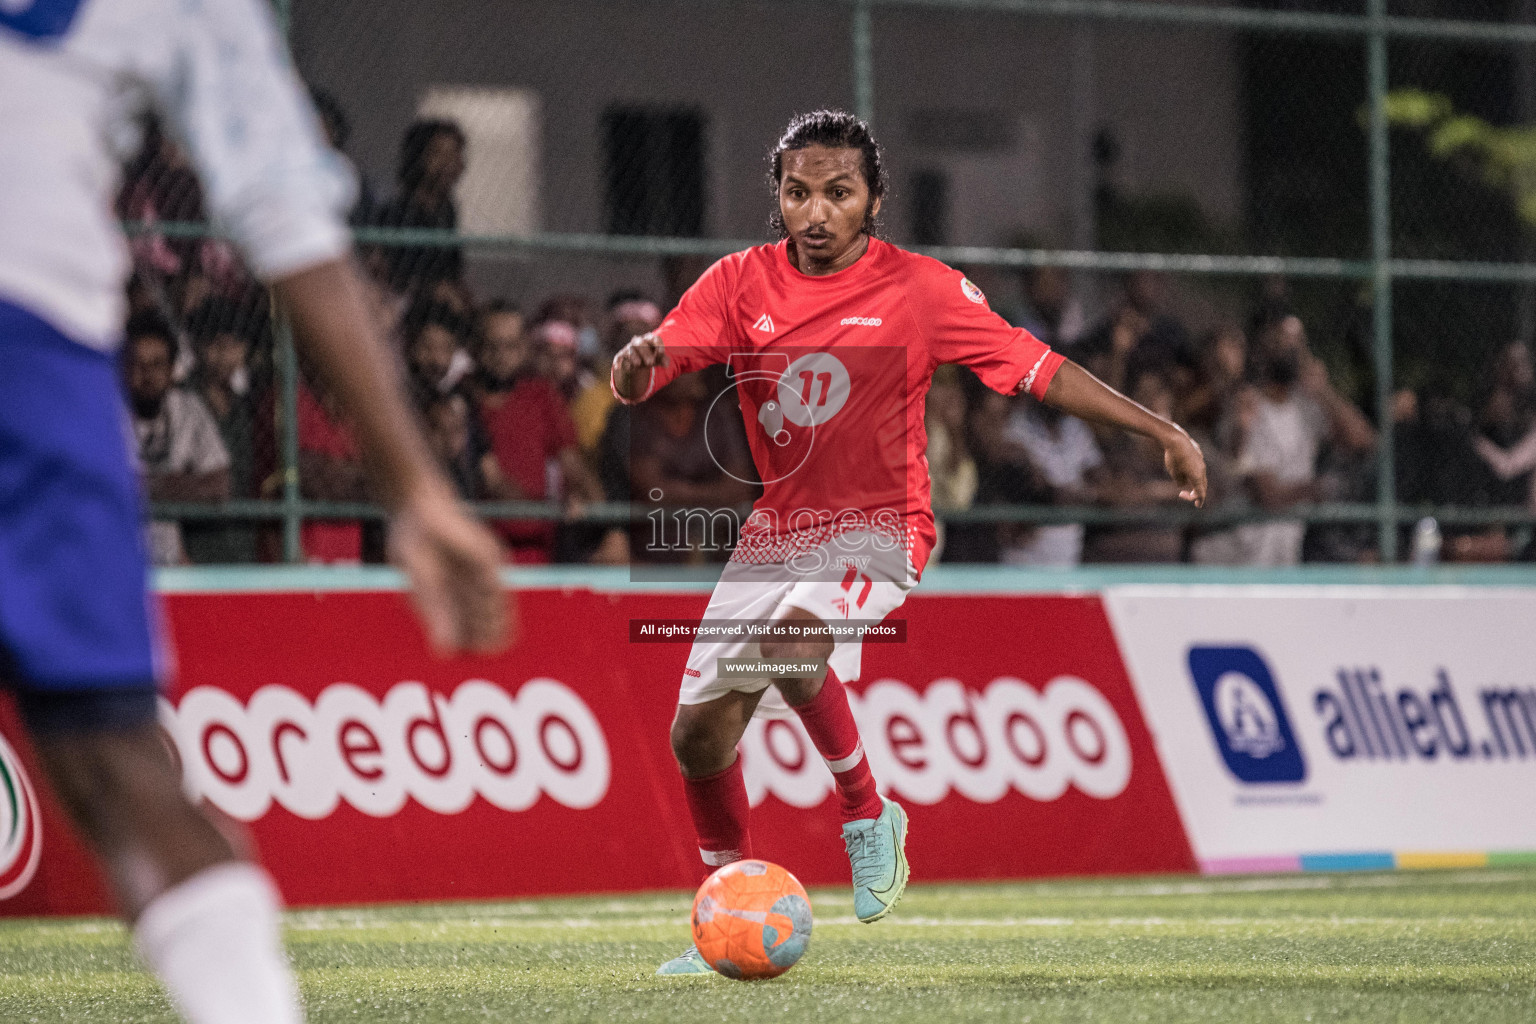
(941,579)
(1374,28)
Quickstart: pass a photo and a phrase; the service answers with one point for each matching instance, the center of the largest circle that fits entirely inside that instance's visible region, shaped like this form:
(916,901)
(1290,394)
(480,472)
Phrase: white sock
(214,941)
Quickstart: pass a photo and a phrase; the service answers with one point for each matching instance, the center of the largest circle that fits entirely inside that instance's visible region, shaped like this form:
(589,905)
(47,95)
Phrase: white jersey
(75,78)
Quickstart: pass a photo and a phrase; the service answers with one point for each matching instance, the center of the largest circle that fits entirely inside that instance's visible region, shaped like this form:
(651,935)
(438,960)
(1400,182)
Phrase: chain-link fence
(1301,228)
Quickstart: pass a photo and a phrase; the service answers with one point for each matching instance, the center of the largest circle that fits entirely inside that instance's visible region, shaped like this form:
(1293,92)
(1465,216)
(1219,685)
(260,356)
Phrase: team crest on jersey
(43,20)
(21,838)
(971,291)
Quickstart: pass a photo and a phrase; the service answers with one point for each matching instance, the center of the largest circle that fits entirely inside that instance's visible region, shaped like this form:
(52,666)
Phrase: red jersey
(831,374)
(527,427)
(327,540)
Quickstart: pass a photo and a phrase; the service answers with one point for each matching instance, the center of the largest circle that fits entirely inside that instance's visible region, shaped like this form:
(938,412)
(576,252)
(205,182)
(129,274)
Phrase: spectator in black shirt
(222,336)
(432,156)
(337,128)
(1139,337)
(434,350)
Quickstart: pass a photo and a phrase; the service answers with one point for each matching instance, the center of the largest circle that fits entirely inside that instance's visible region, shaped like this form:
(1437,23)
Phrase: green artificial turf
(1412,946)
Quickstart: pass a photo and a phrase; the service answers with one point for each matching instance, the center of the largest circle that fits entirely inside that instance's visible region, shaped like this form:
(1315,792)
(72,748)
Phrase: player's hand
(645,351)
(1186,464)
(452,562)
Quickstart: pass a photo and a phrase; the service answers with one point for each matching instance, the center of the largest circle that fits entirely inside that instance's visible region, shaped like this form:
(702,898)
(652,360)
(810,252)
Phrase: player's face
(825,203)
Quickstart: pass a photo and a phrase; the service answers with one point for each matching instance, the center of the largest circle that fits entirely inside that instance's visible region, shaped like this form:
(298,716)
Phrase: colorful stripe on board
(1367,861)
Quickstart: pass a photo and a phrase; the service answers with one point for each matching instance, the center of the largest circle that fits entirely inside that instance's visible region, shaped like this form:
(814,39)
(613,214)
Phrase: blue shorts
(77,635)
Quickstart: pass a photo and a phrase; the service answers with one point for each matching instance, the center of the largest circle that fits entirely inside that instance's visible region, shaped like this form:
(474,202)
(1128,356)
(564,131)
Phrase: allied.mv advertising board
(1340,727)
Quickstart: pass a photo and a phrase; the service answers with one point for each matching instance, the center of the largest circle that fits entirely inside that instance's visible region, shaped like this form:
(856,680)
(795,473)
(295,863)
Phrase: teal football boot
(877,853)
(690,962)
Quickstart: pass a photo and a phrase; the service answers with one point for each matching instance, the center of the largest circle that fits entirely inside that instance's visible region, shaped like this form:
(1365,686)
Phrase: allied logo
(21,837)
(1246,714)
(764,324)
(861,321)
(971,291)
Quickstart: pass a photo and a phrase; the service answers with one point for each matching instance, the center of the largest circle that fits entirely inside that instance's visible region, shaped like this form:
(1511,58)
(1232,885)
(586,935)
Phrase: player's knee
(698,745)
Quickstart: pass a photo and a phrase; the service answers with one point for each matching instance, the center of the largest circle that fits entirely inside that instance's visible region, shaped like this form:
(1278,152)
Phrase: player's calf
(828,720)
(205,922)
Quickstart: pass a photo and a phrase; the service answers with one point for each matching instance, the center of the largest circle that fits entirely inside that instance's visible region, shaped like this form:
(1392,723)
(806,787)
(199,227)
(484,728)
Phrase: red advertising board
(364,769)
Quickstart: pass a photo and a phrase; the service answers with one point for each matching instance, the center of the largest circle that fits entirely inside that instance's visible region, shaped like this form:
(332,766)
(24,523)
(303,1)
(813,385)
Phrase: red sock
(829,721)
(718,804)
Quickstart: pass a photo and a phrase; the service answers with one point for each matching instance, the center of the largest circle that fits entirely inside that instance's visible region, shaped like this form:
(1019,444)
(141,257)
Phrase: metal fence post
(287,411)
(287,368)
(863,62)
(1381,275)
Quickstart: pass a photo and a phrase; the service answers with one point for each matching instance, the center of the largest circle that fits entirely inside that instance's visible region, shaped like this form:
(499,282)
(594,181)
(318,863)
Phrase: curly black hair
(835,129)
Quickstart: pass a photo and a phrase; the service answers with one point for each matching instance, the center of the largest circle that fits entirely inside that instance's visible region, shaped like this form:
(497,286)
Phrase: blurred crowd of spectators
(516,405)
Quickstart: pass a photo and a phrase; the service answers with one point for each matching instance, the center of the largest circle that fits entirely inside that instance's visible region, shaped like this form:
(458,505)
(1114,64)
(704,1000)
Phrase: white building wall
(1169,95)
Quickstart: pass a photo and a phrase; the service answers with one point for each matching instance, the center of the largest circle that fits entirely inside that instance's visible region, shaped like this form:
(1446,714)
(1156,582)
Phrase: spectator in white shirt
(1064,452)
(1296,413)
(181,456)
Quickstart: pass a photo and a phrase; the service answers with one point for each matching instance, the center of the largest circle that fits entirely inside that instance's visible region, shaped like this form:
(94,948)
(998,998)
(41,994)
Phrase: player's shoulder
(760,259)
(728,273)
(108,38)
(933,279)
(905,260)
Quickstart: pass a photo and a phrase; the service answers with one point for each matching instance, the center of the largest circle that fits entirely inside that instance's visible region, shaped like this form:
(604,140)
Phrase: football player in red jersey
(834,335)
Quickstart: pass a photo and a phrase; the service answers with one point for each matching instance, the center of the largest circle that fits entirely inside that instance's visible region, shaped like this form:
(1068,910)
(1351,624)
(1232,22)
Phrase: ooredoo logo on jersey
(21,837)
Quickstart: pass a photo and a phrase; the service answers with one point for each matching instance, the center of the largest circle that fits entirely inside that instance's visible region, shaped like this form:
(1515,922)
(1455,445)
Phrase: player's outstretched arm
(634,365)
(450,559)
(1079,393)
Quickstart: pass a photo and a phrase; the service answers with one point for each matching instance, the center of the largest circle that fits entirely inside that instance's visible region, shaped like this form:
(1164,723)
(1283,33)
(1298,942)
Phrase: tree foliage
(1503,158)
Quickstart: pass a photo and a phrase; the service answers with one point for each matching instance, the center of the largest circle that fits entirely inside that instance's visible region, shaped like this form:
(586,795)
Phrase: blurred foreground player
(77,640)
(833,336)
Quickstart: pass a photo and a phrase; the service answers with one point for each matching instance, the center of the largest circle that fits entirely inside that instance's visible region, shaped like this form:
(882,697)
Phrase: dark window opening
(653,171)
(930,208)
